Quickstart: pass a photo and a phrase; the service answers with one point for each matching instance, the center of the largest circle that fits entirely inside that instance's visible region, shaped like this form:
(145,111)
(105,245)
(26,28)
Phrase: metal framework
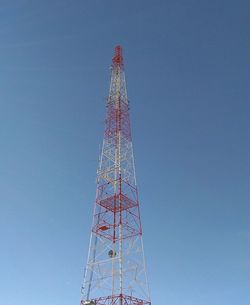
(115,273)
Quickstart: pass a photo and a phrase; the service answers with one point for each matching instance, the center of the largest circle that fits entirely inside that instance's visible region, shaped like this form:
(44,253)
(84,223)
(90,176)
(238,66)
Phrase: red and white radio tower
(116,273)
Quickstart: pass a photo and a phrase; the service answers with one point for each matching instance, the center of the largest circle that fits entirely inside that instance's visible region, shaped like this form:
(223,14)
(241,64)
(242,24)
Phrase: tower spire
(117,58)
(115,273)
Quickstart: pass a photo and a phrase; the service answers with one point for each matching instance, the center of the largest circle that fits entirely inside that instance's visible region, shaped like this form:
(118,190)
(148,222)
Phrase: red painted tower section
(115,273)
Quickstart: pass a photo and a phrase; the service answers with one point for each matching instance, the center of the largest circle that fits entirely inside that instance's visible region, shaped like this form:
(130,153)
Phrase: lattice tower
(115,273)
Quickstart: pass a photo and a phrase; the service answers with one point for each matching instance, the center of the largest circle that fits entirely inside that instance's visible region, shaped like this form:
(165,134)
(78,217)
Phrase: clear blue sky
(187,69)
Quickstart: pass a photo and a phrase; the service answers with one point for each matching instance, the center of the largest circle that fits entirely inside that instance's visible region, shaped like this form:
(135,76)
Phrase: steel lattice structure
(116,273)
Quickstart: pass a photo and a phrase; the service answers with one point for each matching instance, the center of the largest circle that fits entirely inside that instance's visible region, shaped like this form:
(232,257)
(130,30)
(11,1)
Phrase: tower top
(117,58)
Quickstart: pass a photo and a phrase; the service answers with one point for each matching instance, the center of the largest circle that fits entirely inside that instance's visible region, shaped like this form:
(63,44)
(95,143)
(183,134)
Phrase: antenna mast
(116,273)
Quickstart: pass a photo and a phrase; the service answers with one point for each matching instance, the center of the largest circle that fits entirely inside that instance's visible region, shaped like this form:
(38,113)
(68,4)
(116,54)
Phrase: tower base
(116,300)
